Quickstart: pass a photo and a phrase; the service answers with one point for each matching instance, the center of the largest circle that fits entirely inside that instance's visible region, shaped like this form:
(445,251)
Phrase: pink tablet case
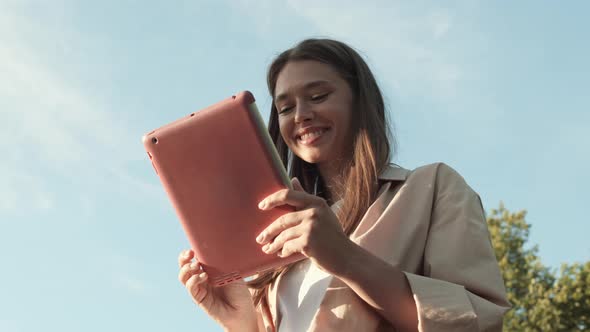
(216,165)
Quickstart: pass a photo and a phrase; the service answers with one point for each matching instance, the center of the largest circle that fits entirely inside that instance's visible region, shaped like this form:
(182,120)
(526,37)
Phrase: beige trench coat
(430,224)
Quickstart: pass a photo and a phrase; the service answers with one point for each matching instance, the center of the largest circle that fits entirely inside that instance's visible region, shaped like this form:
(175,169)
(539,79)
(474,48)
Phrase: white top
(299,295)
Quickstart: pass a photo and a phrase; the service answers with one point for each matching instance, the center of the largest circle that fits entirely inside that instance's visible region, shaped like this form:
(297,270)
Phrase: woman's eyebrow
(306,86)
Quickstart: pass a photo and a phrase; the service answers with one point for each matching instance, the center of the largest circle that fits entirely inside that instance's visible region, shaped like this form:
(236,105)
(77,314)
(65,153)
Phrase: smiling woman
(388,248)
(314,107)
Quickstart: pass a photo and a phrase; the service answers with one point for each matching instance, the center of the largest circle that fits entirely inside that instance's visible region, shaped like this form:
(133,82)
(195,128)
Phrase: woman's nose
(303,113)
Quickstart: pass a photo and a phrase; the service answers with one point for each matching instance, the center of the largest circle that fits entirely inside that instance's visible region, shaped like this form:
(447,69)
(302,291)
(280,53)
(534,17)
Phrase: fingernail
(260,237)
(202,275)
(194,265)
(186,253)
(262,205)
(265,247)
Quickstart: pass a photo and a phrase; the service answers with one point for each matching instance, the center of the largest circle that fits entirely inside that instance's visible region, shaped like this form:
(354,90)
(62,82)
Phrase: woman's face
(314,107)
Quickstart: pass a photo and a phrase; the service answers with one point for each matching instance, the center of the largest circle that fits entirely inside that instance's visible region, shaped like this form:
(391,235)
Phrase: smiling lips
(311,136)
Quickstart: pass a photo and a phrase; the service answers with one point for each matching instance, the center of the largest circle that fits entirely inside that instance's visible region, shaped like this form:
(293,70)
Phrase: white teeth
(312,135)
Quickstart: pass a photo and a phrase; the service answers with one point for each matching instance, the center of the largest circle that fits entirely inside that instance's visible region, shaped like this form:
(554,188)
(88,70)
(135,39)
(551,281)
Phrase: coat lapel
(337,292)
(388,175)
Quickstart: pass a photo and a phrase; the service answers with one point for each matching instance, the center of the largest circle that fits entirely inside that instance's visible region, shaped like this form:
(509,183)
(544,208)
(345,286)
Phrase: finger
(196,286)
(277,244)
(293,246)
(297,199)
(185,257)
(297,185)
(284,222)
(188,270)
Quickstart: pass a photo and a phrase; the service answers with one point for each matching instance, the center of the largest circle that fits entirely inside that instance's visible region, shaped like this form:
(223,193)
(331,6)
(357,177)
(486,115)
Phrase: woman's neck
(332,176)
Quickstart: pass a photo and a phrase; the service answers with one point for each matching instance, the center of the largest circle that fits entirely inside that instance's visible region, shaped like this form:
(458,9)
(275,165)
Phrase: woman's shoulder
(439,169)
(435,183)
(437,174)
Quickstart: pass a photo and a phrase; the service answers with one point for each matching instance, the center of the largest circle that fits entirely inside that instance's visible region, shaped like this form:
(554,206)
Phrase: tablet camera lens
(154,140)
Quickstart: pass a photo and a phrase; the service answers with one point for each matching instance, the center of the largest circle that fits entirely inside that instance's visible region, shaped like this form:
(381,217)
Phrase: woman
(388,248)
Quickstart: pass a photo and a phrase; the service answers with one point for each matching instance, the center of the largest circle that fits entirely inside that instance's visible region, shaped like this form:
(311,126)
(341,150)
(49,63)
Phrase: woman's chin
(308,158)
(313,158)
(314,155)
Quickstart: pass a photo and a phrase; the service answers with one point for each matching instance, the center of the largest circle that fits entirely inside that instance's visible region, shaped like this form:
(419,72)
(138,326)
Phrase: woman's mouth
(312,137)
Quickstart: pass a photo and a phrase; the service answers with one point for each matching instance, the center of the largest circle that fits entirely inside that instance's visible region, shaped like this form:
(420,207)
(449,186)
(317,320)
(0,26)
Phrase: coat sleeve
(461,288)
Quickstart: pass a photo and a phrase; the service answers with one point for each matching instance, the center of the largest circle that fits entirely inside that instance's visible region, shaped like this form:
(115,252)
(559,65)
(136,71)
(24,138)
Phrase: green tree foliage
(543,299)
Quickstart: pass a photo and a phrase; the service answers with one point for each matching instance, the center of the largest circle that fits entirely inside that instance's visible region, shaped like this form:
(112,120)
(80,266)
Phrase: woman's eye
(319,97)
(285,109)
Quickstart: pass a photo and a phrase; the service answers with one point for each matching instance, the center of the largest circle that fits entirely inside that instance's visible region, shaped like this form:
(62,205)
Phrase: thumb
(297,185)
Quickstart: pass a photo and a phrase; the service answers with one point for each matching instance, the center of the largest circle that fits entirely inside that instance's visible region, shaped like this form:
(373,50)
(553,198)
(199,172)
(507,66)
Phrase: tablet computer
(216,165)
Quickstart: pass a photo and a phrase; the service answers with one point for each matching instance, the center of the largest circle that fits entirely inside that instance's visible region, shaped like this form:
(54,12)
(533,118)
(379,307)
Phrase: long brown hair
(370,145)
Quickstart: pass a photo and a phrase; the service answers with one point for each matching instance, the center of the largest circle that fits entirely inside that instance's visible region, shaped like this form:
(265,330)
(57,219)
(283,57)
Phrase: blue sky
(88,240)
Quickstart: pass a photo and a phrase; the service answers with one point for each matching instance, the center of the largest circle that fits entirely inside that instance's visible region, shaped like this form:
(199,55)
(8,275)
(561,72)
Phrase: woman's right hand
(230,305)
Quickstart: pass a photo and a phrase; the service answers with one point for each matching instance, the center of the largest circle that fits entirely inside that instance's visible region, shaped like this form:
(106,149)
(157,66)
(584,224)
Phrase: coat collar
(393,172)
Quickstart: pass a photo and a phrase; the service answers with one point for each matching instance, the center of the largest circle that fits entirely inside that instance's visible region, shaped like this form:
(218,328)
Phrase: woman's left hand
(313,229)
